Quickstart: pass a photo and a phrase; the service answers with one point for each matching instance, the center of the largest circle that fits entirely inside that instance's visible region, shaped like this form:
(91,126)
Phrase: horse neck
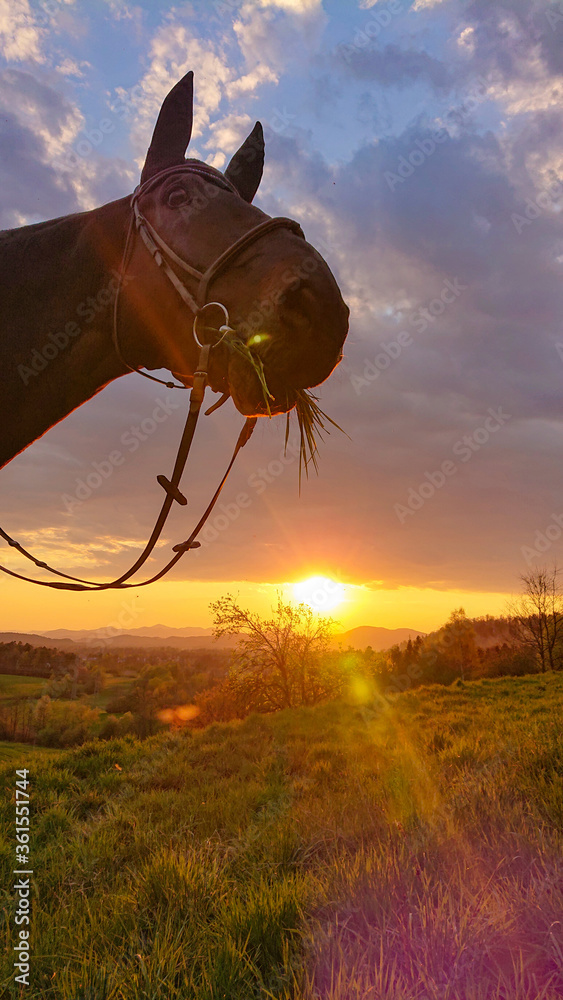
(58,281)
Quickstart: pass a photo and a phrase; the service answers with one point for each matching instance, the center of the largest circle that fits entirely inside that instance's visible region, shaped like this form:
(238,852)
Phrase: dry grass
(253,359)
(312,423)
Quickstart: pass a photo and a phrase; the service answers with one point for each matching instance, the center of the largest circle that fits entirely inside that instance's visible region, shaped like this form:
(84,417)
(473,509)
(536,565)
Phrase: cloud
(425,4)
(228,132)
(173,52)
(20,36)
(41,109)
(532,91)
(227,66)
(250,82)
(536,152)
(30,189)
(393,66)
(42,174)
(121,10)
(279,34)
(36,125)
(70,67)
(226,136)
(516,41)
(305,7)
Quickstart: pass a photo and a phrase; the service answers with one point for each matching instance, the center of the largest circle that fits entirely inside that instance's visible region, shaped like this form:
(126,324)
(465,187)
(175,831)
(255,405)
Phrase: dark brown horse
(59,344)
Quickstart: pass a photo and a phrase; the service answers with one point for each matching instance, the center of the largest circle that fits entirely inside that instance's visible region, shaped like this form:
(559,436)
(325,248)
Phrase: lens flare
(257,338)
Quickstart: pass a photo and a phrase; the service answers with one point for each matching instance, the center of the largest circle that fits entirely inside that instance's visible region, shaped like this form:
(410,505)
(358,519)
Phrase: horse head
(279,294)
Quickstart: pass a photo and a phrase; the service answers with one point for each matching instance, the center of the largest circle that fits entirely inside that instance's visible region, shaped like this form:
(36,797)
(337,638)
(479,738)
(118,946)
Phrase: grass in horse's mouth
(312,421)
(239,345)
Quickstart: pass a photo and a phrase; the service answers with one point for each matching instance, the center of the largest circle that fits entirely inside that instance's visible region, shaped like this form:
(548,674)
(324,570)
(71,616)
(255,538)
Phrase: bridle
(197,303)
(163,254)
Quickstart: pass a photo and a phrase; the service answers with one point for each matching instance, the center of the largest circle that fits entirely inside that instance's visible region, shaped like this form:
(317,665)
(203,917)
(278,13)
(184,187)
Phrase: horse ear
(173,128)
(246,166)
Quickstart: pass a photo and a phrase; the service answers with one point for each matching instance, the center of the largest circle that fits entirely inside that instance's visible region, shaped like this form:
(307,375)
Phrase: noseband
(163,256)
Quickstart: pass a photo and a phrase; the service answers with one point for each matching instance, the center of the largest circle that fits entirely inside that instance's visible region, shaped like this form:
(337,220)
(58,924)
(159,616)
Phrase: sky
(419,144)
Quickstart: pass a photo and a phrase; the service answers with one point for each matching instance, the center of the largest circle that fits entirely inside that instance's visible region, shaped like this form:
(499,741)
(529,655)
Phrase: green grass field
(404,851)
(113,687)
(13,687)
(17,751)
(17,686)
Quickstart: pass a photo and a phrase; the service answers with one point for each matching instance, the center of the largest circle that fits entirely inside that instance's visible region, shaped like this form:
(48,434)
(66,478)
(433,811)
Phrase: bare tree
(537,616)
(281,657)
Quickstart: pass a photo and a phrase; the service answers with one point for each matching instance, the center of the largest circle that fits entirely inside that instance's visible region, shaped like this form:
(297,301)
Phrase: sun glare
(319,592)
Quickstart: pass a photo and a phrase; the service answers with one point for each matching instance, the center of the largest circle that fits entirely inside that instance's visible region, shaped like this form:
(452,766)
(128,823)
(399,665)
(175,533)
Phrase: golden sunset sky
(181,603)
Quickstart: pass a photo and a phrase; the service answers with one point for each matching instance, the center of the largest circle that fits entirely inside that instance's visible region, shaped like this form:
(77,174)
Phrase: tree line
(34,661)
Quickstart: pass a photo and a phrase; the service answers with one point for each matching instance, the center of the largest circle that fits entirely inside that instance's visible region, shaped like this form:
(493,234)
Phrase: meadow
(17,686)
(71,721)
(407,848)
(14,686)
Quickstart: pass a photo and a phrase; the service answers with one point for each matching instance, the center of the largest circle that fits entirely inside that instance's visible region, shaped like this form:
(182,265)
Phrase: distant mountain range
(376,636)
(148,631)
(38,640)
(150,637)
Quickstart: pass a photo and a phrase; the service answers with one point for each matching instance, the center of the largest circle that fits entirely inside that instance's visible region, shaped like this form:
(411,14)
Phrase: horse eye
(177,197)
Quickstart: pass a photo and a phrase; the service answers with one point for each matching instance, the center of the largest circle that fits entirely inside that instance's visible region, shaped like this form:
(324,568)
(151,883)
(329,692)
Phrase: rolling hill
(192,637)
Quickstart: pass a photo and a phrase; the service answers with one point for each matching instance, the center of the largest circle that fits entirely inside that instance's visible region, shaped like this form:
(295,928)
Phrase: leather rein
(164,256)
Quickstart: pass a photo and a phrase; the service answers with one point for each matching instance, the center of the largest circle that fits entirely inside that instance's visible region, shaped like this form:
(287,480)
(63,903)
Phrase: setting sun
(319,592)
